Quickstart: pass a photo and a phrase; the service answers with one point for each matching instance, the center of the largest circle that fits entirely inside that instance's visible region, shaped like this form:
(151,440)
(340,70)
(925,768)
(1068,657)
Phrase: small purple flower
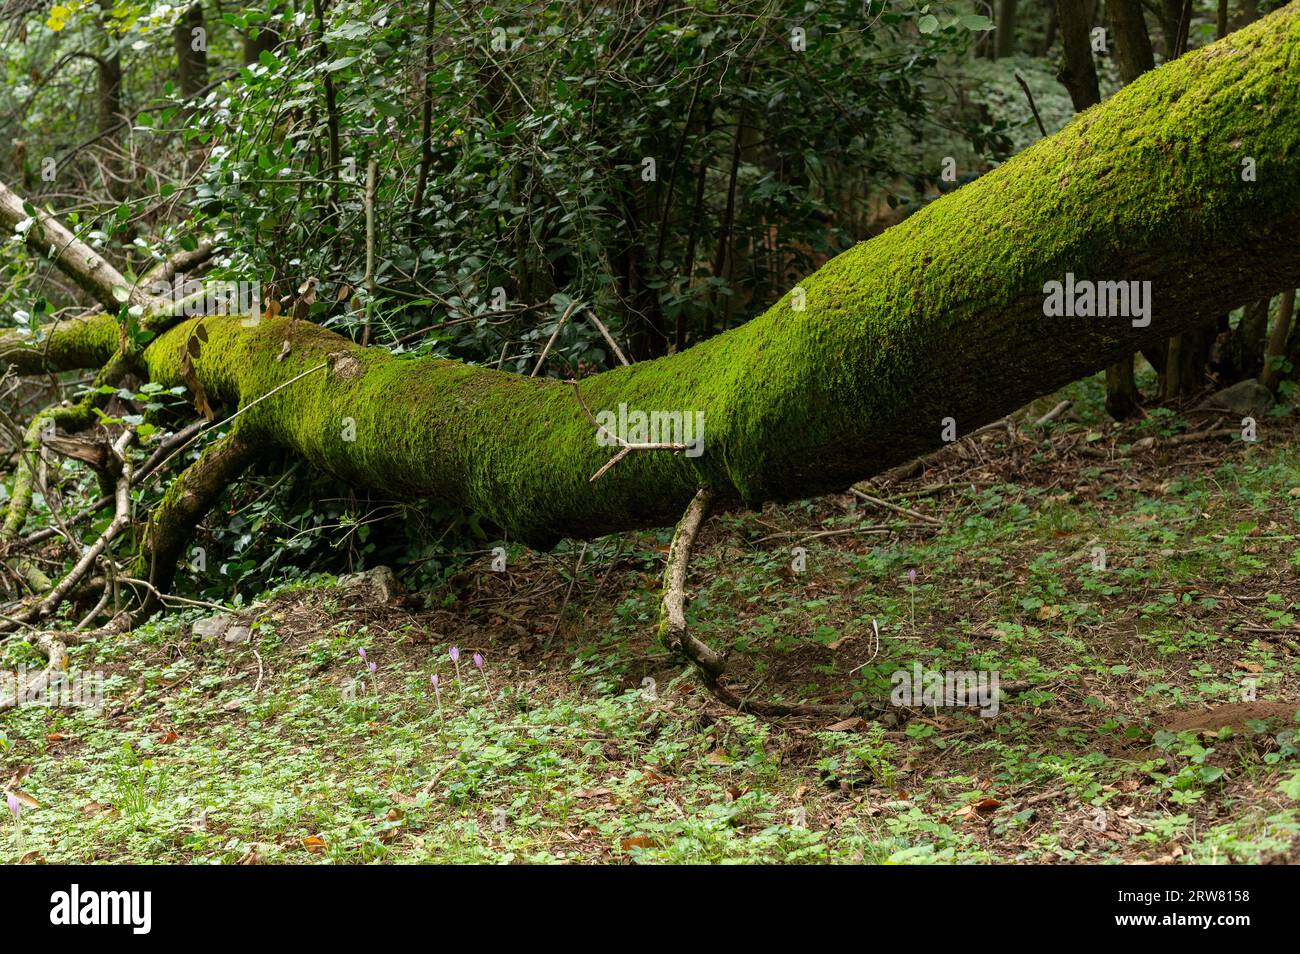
(433,680)
(361,653)
(911,576)
(478,661)
(372,666)
(15,806)
(454,653)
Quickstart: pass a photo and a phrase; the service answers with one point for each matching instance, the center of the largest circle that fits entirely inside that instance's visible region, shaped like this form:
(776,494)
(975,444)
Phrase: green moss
(941,316)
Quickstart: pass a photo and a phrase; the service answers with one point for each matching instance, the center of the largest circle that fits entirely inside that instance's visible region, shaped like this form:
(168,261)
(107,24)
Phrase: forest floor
(1149,708)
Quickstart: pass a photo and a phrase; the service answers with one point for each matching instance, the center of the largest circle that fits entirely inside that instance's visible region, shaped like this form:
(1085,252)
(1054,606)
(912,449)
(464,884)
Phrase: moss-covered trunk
(941,316)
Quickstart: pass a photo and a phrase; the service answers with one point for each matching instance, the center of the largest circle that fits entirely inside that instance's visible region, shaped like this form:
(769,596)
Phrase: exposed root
(712,665)
(672,627)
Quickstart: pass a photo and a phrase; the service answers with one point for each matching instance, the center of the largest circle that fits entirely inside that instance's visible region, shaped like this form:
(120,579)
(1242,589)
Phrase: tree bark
(260,39)
(1078,74)
(1276,354)
(1128,26)
(47,236)
(112,117)
(191,63)
(940,316)
(1006,38)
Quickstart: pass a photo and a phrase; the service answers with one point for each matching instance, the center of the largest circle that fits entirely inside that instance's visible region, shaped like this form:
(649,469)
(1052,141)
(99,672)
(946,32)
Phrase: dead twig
(564,320)
(674,631)
(905,511)
(625,447)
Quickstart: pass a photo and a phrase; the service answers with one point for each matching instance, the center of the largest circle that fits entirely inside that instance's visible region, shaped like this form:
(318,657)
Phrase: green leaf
(1290,787)
(928,23)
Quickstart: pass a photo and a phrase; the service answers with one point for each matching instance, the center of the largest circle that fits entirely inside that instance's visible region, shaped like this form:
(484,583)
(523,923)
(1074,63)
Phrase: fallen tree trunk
(942,316)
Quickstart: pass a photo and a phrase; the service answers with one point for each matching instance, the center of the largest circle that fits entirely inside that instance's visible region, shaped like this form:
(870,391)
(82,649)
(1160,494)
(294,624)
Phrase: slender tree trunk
(260,39)
(1006,32)
(692,242)
(426,115)
(1049,37)
(111,117)
(1128,26)
(1277,351)
(723,253)
(1078,73)
(1244,350)
(1188,355)
(331,106)
(1171,12)
(190,39)
(1135,54)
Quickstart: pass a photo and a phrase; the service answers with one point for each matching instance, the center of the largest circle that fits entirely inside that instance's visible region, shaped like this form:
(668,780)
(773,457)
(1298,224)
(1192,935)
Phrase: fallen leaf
(24,798)
(981,807)
(847,725)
